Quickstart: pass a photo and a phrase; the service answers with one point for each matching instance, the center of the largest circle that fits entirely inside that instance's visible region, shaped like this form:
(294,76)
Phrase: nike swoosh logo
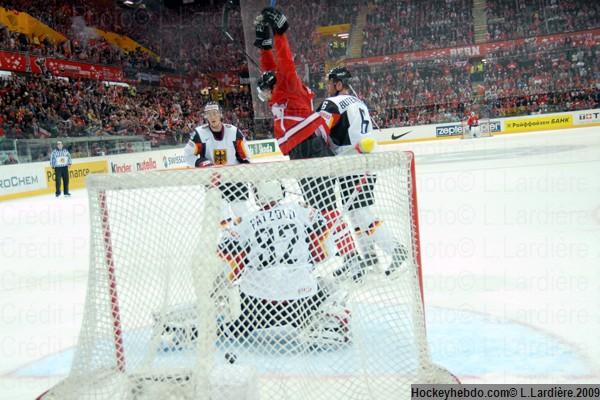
(396,137)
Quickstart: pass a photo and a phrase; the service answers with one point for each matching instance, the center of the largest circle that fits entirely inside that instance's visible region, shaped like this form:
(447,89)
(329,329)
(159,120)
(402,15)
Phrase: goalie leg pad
(177,327)
(329,328)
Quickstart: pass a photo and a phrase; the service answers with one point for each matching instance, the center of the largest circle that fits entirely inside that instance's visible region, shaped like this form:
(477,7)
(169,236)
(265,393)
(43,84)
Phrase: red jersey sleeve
(287,77)
(267,61)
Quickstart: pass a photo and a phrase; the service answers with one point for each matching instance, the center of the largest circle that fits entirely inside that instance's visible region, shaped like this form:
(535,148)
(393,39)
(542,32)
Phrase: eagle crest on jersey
(220,156)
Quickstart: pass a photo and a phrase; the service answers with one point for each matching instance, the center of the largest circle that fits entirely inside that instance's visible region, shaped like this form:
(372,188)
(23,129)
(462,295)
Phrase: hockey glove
(203,163)
(263,40)
(276,19)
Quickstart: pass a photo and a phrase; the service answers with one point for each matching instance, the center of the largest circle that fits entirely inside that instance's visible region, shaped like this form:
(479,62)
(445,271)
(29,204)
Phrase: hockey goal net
(163,304)
(484,129)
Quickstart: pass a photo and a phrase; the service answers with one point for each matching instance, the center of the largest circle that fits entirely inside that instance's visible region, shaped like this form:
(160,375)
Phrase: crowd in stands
(82,42)
(190,39)
(528,18)
(182,41)
(305,16)
(523,79)
(526,78)
(430,91)
(35,106)
(409,25)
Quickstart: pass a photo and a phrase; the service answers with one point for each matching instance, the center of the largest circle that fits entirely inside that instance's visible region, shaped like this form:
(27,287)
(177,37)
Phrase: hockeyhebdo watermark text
(501,392)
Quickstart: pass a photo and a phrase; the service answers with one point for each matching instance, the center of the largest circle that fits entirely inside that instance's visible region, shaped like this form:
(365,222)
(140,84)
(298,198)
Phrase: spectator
(37,107)
(528,18)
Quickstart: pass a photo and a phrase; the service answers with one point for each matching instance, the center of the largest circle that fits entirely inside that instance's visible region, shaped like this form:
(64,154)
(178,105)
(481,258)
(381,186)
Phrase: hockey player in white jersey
(269,256)
(217,143)
(269,269)
(348,125)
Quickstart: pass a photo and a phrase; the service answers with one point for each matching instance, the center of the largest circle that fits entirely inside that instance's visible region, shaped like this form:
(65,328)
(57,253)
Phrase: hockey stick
(225,29)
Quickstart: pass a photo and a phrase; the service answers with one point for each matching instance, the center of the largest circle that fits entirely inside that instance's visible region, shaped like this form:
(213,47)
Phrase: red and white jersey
(473,120)
(269,252)
(227,147)
(292,101)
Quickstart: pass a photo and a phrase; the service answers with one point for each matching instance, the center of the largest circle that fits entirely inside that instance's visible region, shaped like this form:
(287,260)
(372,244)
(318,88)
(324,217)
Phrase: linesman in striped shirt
(60,160)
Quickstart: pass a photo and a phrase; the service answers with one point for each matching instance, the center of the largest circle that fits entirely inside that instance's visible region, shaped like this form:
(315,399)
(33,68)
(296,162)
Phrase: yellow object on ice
(366,145)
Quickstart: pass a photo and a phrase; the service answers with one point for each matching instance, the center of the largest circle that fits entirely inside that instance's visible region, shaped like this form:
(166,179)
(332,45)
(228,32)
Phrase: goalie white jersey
(270,253)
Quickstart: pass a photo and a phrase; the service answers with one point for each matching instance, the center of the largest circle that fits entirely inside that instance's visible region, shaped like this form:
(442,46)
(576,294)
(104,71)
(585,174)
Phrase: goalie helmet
(268,192)
(340,74)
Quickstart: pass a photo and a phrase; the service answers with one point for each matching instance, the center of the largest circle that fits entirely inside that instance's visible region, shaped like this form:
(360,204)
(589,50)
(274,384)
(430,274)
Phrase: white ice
(510,232)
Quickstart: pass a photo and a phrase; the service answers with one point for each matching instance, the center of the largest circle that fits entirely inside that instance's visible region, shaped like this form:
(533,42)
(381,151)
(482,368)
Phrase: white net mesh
(290,280)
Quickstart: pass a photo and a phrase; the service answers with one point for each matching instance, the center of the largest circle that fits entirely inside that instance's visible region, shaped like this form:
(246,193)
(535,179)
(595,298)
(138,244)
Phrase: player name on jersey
(269,216)
(347,102)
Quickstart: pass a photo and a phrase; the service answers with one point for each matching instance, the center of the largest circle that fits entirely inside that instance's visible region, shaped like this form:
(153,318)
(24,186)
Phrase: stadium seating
(526,77)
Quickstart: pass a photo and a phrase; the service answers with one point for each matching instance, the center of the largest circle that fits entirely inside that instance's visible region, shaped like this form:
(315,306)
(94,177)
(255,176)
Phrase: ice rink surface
(510,233)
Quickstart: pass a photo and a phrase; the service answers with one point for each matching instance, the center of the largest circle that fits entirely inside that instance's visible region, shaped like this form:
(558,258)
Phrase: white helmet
(268,192)
(212,106)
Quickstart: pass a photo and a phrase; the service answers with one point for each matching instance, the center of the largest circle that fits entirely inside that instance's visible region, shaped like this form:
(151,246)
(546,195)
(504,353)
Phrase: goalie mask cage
(153,263)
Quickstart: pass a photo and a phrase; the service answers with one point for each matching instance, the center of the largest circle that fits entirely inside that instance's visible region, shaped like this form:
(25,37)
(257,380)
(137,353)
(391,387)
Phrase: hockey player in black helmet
(265,85)
(339,79)
(348,124)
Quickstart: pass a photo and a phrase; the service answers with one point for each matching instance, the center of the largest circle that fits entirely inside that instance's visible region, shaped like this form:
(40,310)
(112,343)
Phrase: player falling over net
(267,255)
(349,125)
(217,143)
(299,130)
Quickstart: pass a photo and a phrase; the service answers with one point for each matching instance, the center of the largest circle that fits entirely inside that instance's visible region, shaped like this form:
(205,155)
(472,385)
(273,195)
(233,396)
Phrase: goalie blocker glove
(276,19)
(263,40)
